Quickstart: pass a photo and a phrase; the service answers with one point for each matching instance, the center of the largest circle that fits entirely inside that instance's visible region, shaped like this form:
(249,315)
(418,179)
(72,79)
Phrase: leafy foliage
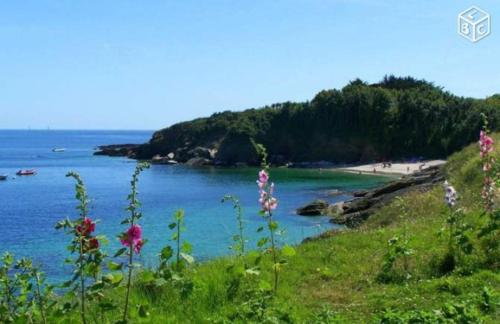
(24,295)
(134,244)
(395,118)
(89,257)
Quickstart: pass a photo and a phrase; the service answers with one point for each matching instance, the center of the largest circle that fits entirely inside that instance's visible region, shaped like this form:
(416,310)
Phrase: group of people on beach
(389,165)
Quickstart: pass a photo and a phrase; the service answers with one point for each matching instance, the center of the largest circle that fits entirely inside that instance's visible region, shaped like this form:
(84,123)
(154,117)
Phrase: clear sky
(149,64)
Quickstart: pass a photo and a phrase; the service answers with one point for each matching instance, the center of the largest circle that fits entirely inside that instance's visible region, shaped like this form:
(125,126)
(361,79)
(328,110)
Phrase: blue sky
(149,64)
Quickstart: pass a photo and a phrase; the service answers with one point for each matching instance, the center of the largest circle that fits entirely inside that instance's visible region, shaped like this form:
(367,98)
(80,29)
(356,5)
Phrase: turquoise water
(30,206)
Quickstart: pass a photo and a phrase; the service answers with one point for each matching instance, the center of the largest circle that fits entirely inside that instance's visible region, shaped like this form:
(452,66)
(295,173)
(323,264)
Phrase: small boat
(58,149)
(26,172)
(3,177)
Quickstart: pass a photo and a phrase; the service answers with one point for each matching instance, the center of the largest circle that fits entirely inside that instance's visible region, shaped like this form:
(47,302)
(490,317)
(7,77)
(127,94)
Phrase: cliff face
(396,118)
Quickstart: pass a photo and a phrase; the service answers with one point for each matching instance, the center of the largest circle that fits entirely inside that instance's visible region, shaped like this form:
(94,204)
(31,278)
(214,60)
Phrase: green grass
(334,278)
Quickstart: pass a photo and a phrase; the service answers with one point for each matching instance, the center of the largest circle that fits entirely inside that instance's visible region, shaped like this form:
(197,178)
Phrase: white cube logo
(474,24)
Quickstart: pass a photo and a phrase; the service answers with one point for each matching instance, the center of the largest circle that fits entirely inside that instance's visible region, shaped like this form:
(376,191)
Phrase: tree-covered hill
(395,118)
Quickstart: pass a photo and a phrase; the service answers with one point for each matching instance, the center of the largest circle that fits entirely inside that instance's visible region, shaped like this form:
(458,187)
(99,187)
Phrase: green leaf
(253,254)
(102,239)
(273,225)
(166,253)
(172,225)
(262,242)
(189,259)
(117,278)
(260,229)
(288,251)
(113,266)
(264,285)
(239,270)
(179,214)
(186,247)
(113,279)
(120,252)
(147,276)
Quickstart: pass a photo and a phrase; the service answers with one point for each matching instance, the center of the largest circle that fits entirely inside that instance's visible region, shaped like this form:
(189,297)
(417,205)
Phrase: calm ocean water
(30,206)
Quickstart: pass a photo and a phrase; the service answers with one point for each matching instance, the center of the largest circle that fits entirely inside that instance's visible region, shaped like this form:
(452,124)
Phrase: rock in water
(198,161)
(117,150)
(315,208)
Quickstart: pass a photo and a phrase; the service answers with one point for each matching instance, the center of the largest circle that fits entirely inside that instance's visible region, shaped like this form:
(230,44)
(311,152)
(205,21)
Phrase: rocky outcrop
(368,202)
(169,159)
(199,161)
(199,156)
(315,208)
(117,150)
(202,152)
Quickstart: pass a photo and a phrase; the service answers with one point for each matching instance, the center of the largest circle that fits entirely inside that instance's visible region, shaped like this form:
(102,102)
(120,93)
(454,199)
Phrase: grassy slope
(339,271)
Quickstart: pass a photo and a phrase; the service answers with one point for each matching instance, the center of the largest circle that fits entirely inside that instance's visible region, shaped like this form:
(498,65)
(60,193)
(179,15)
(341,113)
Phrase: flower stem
(82,283)
(240,225)
(130,259)
(273,247)
(129,280)
(178,244)
(40,300)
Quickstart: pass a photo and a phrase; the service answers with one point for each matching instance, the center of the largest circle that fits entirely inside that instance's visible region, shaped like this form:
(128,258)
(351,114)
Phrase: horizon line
(78,129)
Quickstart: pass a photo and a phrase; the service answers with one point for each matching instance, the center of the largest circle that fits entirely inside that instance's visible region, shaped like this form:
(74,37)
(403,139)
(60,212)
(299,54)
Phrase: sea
(30,206)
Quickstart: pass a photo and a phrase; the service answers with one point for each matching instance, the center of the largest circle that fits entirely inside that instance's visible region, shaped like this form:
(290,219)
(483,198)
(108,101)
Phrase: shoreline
(380,168)
(395,169)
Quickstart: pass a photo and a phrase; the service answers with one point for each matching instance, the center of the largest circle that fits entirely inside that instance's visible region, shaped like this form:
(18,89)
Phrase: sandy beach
(393,169)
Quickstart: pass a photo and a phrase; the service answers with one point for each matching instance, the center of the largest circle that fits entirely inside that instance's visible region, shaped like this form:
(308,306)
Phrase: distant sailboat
(3,177)
(58,149)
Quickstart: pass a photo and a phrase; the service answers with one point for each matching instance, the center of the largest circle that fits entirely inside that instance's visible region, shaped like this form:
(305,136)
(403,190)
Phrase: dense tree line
(393,119)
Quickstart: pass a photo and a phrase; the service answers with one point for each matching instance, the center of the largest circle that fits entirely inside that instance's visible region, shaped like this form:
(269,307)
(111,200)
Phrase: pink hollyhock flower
(266,199)
(133,237)
(263,196)
(263,177)
(124,240)
(90,244)
(271,204)
(485,144)
(138,246)
(134,233)
(93,243)
(86,227)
